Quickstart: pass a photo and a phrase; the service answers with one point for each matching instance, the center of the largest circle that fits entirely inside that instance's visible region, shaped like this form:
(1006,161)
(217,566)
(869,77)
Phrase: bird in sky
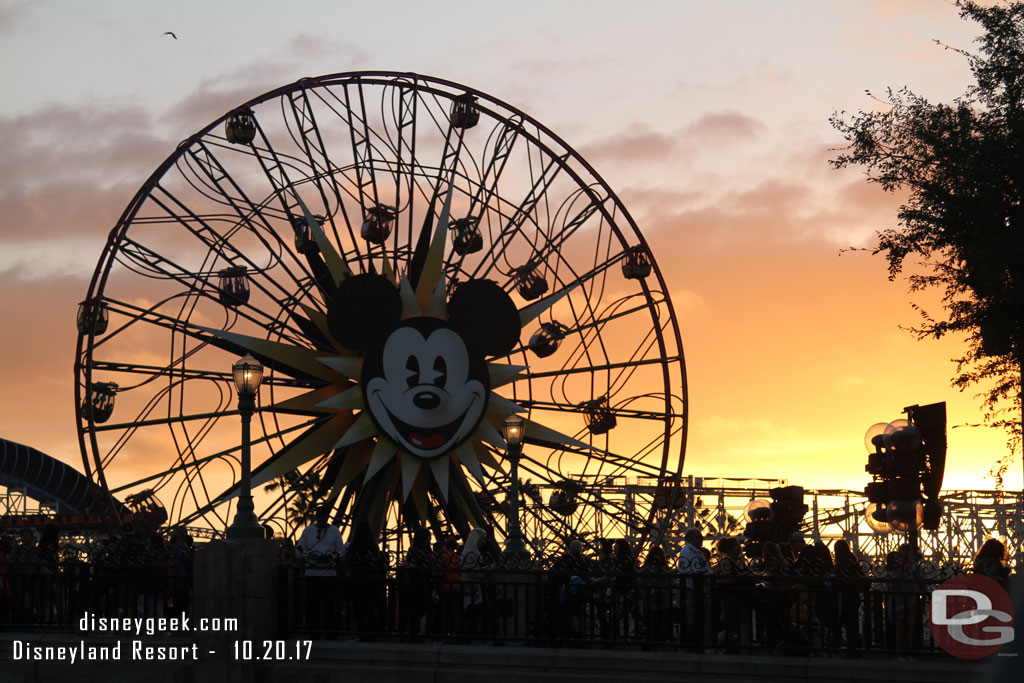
(168,33)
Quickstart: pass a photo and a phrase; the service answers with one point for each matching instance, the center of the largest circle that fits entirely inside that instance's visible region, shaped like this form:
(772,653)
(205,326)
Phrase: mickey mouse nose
(426,400)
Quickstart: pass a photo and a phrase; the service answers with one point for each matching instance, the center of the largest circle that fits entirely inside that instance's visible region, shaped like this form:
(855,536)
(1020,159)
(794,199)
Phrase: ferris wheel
(412,261)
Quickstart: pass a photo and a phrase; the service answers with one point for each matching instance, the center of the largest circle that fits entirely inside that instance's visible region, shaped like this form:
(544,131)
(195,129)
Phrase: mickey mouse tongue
(427,443)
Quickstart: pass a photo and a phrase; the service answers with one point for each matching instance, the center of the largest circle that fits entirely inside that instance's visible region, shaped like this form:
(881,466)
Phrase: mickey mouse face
(424,379)
(423,388)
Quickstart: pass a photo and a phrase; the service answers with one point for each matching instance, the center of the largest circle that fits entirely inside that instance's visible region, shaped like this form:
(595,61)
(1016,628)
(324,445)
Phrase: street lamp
(514,545)
(247,374)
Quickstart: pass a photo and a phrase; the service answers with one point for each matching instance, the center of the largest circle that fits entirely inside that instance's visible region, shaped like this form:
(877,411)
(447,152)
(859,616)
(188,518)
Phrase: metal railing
(869,612)
(56,596)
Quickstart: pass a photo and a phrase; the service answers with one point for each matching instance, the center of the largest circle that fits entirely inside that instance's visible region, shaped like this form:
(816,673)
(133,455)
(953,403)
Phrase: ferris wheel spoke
(312,143)
(508,134)
(597,324)
(199,462)
(405,154)
(563,287)
(171,420)
(219,180)
(518,217)
(526,376)
(442,186)
(361,138)
(539,469)
(599,455)
(297,362)
(286,190)
(570,408)
(295,450)
(553,247)
(188,373)
(199,226)
(198,283)
(247,211)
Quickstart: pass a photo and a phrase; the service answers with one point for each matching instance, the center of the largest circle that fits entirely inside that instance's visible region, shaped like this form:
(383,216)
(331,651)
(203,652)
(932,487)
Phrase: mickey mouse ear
(485,316)
(363,310)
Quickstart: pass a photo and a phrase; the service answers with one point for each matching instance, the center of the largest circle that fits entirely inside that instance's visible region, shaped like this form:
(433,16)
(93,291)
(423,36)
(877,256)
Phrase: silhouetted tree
(302,497)
(962,167)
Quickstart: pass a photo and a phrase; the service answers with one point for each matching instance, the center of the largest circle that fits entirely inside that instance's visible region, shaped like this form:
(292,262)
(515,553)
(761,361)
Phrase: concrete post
(235,579)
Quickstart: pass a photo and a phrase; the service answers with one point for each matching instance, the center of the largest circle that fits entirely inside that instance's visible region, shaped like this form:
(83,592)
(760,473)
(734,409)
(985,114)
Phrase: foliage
(962,226)
(302,491)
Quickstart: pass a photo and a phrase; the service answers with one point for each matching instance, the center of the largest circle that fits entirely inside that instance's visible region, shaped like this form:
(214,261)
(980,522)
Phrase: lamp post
(514,545)
(247,374)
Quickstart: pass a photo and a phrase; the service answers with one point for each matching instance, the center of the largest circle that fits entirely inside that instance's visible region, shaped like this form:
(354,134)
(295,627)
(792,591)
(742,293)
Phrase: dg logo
(971,616)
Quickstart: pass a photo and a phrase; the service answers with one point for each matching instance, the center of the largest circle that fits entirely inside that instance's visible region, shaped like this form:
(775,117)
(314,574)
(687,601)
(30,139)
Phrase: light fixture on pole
(515,548)
(247,374)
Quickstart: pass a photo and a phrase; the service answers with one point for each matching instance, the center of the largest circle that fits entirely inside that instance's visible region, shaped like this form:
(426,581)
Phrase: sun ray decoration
(342,369)
(360,213)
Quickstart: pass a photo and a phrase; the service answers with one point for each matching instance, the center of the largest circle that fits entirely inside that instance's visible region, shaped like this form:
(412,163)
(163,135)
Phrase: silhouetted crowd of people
(128,574)
(793,596)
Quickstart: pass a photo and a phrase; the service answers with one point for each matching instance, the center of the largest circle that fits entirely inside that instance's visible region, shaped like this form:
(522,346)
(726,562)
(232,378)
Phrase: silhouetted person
(490,550)
(692,559)
(898,603)
(851,583)
(990,561)
(604,579)
(825,597)
(415,585)
(367,569)
(566,591)
(804,632)
(180,555)
(796,545)
(656,581)
(475,565)
(735,592)
(320,547)
(626,603)
(605,559)
(450,575)
(773,594)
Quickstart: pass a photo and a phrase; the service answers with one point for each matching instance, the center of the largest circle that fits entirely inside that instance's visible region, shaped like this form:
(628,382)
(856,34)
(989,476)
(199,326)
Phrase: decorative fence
(56,596)
(869,610)
(797,610)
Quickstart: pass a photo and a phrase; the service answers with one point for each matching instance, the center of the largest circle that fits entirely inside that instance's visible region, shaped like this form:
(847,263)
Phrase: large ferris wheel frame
(527,194)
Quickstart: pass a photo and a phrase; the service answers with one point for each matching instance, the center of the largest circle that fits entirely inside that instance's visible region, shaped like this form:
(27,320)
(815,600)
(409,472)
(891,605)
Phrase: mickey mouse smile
(429,438)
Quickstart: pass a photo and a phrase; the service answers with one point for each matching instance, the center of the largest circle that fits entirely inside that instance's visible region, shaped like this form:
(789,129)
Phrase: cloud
(753,428)
(638,144)
(215,97)
(33,260)
(67,174)
(686,301)
(58,142)
(219,94)
(725,126)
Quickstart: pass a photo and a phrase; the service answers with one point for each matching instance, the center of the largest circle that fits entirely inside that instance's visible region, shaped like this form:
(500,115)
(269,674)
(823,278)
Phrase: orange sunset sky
(710,120)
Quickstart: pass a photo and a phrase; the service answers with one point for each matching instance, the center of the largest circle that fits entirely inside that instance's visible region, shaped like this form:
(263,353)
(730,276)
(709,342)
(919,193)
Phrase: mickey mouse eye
(441,368)
(413,366)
